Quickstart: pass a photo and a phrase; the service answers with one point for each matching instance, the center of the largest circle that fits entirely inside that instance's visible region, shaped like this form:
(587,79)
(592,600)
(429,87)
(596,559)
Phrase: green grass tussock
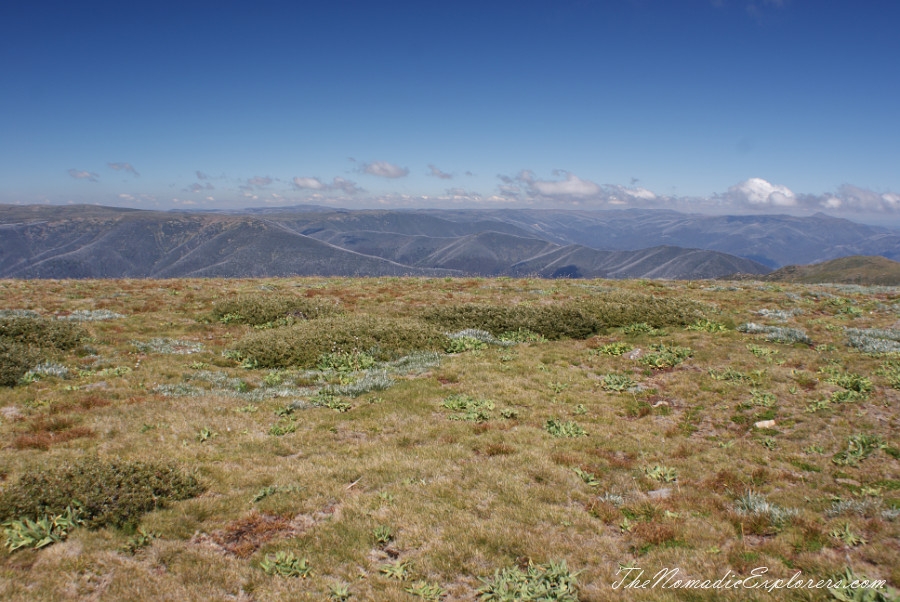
(302,345)
(106,492)
(262,309)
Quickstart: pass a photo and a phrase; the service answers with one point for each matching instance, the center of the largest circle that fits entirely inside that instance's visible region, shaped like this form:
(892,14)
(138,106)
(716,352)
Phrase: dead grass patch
(655,533)
(243,537)
(44,440)
(498,449)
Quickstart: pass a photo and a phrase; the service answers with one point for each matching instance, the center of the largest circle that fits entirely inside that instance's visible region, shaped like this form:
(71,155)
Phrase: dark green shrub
(43,333)
(303,344)
(622,308)
(549,321)
(259,309)
(15,361)
(106,492)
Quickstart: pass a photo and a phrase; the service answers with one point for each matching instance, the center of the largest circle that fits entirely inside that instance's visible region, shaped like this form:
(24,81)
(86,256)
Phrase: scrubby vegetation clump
(15,360)
(42,333)
(303,344)
(105,492)
(25,341)
(553,322)
(271,309)
(622,308)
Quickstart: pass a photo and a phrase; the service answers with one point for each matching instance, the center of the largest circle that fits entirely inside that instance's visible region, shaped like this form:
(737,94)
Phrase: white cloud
(201,175)
(383,169)
(84,175)
(891,199)
(256,183)
(195,188)
(640,193)
(572,186)
(757,192)
(309,183)
(437,173)
(123,167)
(346,186)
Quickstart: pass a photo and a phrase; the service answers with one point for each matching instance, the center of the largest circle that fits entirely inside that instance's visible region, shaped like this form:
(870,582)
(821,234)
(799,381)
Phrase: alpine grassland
(391,439)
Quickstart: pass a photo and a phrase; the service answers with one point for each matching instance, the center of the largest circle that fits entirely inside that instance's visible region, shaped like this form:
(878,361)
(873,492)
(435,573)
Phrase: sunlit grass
(633,446)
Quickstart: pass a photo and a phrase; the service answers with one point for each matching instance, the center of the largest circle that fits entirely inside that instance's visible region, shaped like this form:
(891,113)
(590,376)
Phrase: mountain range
(88,241)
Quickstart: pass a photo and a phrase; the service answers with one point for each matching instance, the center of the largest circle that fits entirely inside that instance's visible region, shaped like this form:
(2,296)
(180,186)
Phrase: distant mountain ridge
(42,241)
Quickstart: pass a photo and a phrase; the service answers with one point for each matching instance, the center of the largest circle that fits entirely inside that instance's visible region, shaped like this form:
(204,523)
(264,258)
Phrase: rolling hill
(89,241)
(102,242)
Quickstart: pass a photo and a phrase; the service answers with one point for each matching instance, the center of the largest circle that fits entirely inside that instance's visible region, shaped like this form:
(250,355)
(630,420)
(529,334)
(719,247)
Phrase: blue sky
(710,105)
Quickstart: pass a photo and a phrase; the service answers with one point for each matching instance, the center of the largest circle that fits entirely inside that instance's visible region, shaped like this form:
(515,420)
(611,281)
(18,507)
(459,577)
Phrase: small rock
(11,412)
(851,482)
(659,494)
(765,424)
(636,354)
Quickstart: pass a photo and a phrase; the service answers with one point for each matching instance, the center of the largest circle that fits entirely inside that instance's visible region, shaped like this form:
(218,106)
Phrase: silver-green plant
(756,504)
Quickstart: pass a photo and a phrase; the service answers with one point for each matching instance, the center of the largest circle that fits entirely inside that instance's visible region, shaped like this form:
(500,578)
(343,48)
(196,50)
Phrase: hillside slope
(856,269)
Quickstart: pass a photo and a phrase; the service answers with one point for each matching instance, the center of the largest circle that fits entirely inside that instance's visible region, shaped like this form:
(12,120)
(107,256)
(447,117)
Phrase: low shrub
(550,321)
(260,309)
(303,344)
(622,308)
(106,492)
(15,360)
(42,333)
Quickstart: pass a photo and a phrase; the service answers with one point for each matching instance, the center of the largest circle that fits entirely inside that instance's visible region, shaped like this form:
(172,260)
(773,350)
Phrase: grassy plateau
(446,439)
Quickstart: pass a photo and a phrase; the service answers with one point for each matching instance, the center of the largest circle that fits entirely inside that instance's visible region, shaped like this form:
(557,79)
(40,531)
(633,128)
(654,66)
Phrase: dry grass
(465,497)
